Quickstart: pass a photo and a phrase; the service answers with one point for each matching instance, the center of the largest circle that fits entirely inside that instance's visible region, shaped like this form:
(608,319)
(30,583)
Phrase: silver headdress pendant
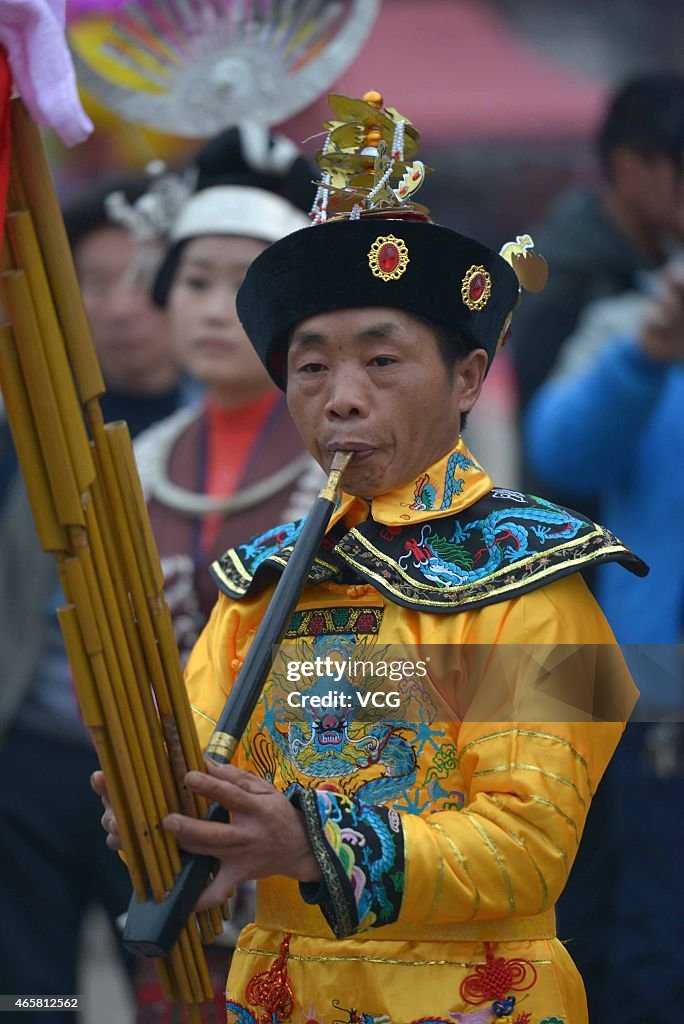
(151,217)
(203,65)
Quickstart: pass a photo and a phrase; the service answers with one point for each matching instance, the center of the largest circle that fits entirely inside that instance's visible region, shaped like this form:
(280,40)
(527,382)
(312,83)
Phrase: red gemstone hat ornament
(388,257)
(476,287)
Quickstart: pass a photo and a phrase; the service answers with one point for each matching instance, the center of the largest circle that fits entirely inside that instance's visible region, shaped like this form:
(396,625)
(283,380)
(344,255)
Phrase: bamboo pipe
(122,460)
(196,987)
(51,533)
(93,717)
(127,702)
(27,256)
(187,959)
(35,369)
(140,695)
(16,196)
(166,861)
(125,800)
(78,588)
(151,928)
(174,706)
(33,174)
(186,975)
(113,516)
(115,546)
(124,503)
(145,556)
(129,545)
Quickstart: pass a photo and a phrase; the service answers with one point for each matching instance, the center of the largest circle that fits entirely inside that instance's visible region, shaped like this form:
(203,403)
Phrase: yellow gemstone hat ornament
(373,245)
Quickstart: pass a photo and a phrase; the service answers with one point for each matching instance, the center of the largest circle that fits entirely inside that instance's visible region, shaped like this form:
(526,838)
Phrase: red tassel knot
(496,978)
(272,990)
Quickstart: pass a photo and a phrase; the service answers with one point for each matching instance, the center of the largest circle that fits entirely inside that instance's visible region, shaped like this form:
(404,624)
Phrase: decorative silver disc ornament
(208,64)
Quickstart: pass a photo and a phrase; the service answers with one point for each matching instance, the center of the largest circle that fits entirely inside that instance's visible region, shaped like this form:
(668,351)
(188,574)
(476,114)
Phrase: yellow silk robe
(490,813)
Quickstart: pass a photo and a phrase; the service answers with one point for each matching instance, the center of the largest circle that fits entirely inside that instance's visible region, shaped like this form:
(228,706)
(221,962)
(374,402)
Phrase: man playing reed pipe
(410,838)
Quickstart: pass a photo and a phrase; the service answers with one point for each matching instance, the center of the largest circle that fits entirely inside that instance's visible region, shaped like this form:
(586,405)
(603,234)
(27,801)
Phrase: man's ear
(469,377)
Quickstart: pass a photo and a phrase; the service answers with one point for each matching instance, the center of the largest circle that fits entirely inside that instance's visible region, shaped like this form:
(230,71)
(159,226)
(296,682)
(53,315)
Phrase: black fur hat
(408,264)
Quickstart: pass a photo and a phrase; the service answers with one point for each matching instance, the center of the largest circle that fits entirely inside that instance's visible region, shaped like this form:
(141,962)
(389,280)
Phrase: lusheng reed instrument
(90,513)
(152,928)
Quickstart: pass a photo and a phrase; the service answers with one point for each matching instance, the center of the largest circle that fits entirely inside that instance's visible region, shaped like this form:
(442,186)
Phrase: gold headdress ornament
(364,161)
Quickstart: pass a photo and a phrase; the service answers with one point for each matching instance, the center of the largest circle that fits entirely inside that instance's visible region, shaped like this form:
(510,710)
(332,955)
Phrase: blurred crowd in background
(562,120)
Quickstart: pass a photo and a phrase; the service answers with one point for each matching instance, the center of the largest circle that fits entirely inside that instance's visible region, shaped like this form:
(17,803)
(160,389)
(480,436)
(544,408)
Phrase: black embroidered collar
(503,545)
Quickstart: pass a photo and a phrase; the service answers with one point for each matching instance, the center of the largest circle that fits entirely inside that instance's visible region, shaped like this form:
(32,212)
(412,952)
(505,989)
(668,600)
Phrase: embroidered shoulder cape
(481,544)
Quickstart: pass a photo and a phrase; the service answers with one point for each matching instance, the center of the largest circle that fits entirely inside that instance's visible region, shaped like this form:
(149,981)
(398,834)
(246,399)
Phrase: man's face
(131,335)
(663,195)
(373,381)
(652,187)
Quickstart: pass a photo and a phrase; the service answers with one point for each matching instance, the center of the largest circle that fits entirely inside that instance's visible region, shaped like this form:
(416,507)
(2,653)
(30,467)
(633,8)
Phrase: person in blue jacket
(609,424)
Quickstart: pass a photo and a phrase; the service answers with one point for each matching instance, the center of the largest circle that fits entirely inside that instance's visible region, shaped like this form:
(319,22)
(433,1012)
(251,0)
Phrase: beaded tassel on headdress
(319,210)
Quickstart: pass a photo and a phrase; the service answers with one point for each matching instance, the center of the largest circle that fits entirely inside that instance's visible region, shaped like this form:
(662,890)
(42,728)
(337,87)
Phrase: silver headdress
(151,217)
(202,65)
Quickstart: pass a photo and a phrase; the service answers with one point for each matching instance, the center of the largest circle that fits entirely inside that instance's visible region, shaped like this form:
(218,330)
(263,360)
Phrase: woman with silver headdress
(236,459)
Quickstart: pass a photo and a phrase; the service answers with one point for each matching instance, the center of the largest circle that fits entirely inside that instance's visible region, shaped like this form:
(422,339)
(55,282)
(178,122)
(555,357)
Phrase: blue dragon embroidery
(340,742)
(426,492)
(259,548)
(241,1013)
(445,562)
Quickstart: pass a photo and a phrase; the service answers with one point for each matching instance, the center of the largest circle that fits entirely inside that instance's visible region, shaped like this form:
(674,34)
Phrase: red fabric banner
(5,90)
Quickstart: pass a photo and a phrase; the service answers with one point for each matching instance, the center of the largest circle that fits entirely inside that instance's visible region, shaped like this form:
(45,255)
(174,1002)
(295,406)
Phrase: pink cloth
(32,32)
